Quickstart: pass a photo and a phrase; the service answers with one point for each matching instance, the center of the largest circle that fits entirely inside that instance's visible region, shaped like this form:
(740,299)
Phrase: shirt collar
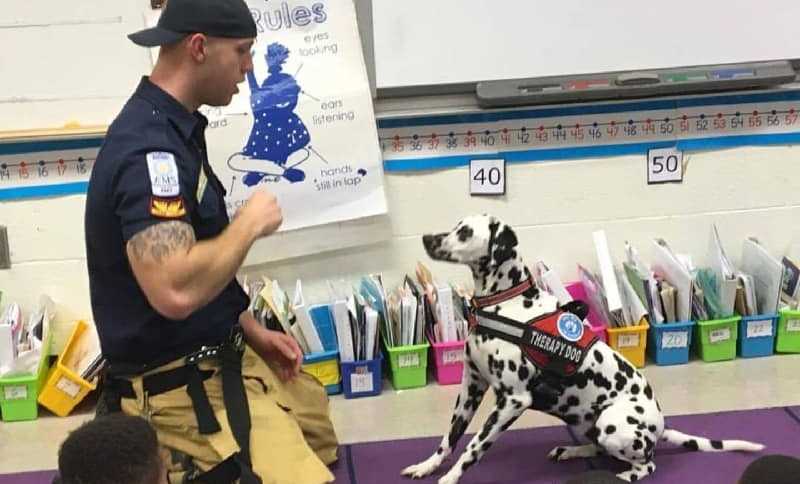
(185,121)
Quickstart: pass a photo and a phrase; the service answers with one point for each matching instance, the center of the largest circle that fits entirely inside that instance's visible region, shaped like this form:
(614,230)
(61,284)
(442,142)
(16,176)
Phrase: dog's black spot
(621,381)
(598,356)
(613,394)
(559,452)
(635,389)
(439,451)
(638,434)
(493,288)
(473,367)
(474,395)
(652,429)
(634,477)
(648,392)
(601,381)
(589,417)
(573,401)
(527,303)
(600,399)
(592,434)
(517,404)
(610,429)
(504,244)
(581,380)
(515,275)
(486,446)
(500,274)
(572,419)
(490,423)
(485,337)
(512,366)
(639,410)
(634,400)
(563,409)
(637,444)
(624,366)
(717,444)
(658,406)
(650,468)
(457,430)
(523,372)
(632,420)
(465,233)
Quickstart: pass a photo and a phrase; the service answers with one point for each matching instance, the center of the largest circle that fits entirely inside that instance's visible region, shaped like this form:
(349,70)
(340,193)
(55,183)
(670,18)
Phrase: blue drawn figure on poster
(278,134)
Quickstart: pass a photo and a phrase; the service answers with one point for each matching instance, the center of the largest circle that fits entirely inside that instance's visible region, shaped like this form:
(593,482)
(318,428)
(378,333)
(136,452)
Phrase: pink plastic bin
(576,290)
(448,361)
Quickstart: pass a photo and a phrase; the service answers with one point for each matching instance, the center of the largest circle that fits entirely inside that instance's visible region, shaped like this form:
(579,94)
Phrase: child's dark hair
(114,449)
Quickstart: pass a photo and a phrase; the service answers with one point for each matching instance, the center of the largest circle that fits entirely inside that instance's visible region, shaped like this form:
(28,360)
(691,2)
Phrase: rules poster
(302,125)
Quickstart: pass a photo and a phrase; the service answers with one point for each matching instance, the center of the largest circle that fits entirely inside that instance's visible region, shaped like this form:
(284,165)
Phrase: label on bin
(361,382)
(68,386)
(675,339)
(408,360)
(758,329)
(628,340)
(451,356)
(717,335)
(793,325)
(15,392)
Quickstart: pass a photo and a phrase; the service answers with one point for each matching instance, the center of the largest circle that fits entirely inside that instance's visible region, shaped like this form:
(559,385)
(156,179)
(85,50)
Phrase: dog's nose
(427,240)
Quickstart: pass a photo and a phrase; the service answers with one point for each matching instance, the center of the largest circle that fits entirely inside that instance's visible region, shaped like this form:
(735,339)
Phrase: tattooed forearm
(160,240)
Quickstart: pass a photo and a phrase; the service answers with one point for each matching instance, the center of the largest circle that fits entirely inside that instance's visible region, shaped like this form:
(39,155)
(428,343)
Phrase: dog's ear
(578,308)
(502,244)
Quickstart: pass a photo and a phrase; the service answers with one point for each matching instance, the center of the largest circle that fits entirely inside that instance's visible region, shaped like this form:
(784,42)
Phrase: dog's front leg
(507,410)
(473,388)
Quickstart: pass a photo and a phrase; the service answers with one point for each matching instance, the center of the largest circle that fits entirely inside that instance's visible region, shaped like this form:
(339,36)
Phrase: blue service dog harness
(556,342)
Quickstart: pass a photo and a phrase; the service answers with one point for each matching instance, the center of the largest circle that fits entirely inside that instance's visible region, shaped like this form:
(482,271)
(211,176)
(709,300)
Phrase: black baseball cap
(216,18)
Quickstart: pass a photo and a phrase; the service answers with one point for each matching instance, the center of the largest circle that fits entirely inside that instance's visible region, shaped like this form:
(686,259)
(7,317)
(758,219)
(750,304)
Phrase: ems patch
(163,174)
(167,207)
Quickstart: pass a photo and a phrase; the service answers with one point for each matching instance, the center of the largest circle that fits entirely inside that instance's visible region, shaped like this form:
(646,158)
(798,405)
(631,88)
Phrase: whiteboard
(419,42)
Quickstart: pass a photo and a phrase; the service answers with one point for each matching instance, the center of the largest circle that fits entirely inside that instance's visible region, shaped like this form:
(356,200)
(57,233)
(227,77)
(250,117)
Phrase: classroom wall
(554,206)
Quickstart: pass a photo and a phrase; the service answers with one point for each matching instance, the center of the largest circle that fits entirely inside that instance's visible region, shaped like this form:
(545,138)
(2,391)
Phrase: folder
(767,272)
(724,272)
(608,276)
(341,318)
(322,318)
(673,270)
(310,334)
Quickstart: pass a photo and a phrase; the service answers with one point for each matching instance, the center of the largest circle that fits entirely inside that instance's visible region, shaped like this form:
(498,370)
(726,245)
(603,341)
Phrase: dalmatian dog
(606,400)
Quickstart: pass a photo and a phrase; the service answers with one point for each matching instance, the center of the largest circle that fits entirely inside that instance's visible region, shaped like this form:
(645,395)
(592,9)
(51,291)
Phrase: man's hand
(262,213)
(273,346)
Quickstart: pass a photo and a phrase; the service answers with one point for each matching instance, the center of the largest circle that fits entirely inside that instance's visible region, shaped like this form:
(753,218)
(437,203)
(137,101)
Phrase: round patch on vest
(570,327)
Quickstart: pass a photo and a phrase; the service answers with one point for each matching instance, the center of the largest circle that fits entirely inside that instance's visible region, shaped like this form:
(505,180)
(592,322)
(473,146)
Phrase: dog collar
(477,303)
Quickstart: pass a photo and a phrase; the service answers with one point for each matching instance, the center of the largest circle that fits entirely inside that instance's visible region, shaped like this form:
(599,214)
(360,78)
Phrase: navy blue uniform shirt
(152,168)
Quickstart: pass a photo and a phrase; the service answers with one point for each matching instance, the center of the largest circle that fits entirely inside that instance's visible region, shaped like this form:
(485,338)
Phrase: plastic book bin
(408,365)
(576,290)
(448,361)
(788,339)
(715,339)
(64,389)
(19,394)
(324,367)
(362,378)
(670,342)
(630,341)
(757,335)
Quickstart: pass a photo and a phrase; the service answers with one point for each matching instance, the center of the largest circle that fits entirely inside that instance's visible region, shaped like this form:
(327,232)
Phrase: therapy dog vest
(556,342)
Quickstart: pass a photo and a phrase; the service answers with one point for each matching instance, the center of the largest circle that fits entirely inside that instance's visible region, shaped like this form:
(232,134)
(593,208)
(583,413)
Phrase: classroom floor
(687,389)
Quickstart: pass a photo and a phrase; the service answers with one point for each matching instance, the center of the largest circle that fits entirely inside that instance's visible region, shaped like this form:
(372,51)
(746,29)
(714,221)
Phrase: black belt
(229,354)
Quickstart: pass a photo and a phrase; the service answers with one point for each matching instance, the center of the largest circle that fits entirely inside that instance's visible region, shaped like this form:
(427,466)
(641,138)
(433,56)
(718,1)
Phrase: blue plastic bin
(362,378)
(757,335)
(670,342)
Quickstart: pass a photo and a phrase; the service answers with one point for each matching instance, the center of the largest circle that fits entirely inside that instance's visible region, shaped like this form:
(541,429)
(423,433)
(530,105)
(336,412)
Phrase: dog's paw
(556,453)
(418,471)
(451,477)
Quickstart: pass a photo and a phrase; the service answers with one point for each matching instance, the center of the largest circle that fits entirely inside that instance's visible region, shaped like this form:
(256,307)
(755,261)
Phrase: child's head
(115,449)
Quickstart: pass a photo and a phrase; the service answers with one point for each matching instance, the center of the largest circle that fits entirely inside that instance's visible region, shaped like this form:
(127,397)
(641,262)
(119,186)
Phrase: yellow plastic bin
(18,394)
(325,368)
(64,389)
(630,341)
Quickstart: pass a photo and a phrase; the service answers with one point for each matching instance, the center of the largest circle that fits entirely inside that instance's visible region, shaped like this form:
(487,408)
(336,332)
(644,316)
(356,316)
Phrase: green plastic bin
(715,339)
(788,339)
(408,365)
(18,395)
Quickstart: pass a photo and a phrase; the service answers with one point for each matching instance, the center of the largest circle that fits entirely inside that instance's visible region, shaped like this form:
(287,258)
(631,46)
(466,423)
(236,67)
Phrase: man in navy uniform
(224,394)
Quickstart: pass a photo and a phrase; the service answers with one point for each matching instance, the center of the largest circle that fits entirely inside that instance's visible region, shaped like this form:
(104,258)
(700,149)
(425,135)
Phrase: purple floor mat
(520,456)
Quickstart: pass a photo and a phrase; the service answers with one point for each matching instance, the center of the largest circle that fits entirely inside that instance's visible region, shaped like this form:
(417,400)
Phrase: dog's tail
(702,444)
